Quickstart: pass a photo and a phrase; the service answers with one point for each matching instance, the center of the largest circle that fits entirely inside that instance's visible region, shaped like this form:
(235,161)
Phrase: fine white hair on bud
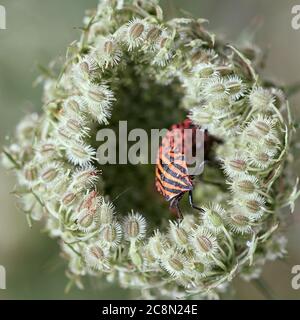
(162,57)
(73,106)
(238,221)
(235,87)
(30,174)
(271,144)
(76,125)
(85,70)
(223,104)
(174,263)
(135,33)
(261,127)
(157,245)
(91,201)
(245,185)
(51,174)
(107,51)
(80,153)
(261,158)
(213,217)
(255,207)
(64,136)
(96,256)
(134,227)
(164,49)
(153,34)
(200,267)
(111,234)
(47,149)
(202,55)
(203,116)
(106,212)
(204,71)
(215,87)
(84,177)
(68,198)
(204,243)
(261,99)
(235,165)
(99,100)
(178,235)
(86,220)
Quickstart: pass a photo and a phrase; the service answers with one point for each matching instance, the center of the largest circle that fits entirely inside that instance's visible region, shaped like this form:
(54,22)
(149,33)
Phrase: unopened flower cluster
(58,175)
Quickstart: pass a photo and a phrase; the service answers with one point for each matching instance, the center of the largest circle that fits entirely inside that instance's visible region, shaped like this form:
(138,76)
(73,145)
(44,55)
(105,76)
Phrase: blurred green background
(40,30)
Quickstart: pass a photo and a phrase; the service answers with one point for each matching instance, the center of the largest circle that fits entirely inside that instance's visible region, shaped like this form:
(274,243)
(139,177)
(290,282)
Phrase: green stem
(264,288)
(222,252)
(219,263)
(10,157)
(28,218)
(74,250)
(229,239)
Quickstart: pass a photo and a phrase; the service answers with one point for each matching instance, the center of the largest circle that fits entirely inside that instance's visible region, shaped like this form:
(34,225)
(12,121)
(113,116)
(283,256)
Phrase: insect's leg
(179,213)
(192,202)
(174,206)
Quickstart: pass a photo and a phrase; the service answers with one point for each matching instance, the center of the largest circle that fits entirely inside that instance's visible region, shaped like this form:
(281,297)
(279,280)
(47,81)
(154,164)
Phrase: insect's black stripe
(171,172)
(174,191)
(175,183)
(172,159)
(182,178)
(180,168)
(182,182)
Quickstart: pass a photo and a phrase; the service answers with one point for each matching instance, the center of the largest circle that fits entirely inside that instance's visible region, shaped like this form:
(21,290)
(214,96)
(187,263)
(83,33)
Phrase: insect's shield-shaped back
(185,146)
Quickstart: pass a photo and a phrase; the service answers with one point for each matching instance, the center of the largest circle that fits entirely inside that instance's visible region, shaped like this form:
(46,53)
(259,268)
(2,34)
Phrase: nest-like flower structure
(127,49)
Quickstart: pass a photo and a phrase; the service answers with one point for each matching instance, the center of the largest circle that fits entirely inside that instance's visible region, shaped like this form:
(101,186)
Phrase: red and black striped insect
(172,178)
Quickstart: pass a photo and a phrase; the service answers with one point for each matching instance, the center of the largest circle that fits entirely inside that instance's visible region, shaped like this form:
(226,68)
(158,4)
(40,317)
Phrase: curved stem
(263,287)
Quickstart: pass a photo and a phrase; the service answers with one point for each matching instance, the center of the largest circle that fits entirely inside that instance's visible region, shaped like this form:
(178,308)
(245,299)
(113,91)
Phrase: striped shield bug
(172,177)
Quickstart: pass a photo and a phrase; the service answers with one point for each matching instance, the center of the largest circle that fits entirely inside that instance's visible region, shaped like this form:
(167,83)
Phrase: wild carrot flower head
(131,64)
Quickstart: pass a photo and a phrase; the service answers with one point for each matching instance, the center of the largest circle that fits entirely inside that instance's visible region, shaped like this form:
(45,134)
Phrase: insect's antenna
(120,194)
(192,202)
